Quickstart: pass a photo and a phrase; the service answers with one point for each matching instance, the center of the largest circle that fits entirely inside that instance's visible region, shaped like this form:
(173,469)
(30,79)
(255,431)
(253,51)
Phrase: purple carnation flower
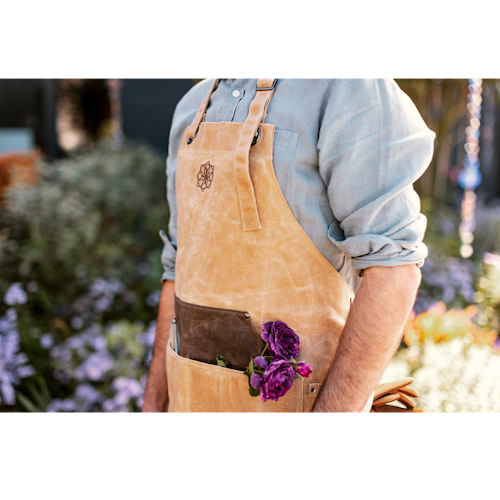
(283,341)
(304,370)
(277,380)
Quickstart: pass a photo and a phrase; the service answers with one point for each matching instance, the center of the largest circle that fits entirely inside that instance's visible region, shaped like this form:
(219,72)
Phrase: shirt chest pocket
(284,147)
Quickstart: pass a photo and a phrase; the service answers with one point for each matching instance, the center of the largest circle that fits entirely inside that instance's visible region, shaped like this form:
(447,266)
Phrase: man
(345,154)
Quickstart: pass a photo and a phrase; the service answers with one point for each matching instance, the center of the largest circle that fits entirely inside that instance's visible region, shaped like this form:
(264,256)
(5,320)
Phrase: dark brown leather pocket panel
(205,332)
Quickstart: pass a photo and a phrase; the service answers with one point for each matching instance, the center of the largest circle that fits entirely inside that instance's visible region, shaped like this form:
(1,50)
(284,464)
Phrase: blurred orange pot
(18,168)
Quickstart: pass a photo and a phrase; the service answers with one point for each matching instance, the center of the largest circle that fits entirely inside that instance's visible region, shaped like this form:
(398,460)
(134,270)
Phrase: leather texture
(205,332)
(201,387)
(241,248)
(391,387)
(200,114)
(246,194)
(394,409)
(390,392)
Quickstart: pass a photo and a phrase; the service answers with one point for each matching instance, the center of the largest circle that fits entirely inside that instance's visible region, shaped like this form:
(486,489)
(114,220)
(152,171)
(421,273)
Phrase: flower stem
(265,347)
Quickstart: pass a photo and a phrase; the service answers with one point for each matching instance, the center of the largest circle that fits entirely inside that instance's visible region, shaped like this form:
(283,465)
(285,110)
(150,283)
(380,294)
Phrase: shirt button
(236,93)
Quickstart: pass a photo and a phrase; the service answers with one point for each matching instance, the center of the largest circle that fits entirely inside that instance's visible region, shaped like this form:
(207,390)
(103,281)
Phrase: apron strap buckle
(264,82)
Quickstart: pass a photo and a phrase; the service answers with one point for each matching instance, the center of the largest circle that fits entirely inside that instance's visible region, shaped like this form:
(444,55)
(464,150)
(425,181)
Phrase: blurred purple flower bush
(79,287)
(106,366)
(13,362)
(446,276)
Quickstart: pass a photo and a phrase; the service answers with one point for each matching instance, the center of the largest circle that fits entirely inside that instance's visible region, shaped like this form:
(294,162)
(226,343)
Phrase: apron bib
(243,260)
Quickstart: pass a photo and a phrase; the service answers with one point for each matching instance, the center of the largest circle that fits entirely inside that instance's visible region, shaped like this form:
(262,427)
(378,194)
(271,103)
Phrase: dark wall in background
(31,103)
(20,103)
(148,107)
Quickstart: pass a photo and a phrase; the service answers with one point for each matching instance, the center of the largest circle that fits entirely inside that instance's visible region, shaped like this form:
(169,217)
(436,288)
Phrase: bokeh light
(470,177)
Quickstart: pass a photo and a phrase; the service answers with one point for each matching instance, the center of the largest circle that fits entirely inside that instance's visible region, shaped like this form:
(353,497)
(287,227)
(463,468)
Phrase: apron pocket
(205,332)
(194,386)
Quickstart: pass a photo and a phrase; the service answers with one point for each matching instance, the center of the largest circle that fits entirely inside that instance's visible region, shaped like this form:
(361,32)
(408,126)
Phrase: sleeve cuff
(168,256)
(168,275)
(403,247)
(403,258)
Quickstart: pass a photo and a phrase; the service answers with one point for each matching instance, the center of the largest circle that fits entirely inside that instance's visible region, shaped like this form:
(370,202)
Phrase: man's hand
(371,335)
(156,397)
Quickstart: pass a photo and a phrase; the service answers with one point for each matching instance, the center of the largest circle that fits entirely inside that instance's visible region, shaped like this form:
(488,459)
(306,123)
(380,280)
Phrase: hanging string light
(470,176)
(114,89)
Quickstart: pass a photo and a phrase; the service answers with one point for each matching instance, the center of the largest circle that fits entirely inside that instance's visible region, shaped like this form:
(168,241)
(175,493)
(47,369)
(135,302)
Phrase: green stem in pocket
(265,348)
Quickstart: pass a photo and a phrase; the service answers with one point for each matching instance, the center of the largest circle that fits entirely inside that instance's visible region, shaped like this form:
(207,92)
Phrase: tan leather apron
(242,256)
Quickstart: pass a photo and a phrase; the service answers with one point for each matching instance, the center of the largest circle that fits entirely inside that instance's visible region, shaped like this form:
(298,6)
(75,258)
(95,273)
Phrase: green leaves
(222,361)
(253,392)
(249,372)
(40,393)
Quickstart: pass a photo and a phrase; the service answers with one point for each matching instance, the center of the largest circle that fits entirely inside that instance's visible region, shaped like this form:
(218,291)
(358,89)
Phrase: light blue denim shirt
(346,155)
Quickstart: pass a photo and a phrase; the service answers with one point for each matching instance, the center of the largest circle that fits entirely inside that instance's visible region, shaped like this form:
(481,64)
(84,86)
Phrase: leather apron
(243,260)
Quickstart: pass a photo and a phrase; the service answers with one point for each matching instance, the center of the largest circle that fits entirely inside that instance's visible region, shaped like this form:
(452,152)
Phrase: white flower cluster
(454,376)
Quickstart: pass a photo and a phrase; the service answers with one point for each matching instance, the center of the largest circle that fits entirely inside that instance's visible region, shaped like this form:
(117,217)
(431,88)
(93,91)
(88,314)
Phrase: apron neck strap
(256,115)
(200,115)
(264,85)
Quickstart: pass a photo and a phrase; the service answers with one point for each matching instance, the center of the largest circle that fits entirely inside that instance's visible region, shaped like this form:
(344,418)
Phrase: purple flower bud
(283,341)
(255,381)
(277,380)
(260,362)
(304,370)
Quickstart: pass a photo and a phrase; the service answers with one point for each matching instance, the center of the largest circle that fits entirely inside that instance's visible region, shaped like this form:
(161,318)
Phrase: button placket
(233,98)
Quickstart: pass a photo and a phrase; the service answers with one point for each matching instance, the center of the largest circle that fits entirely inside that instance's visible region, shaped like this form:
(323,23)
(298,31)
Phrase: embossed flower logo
(205,176)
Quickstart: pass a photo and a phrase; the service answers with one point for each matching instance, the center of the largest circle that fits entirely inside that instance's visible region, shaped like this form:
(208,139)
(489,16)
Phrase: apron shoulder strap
(199,117)
(256,115)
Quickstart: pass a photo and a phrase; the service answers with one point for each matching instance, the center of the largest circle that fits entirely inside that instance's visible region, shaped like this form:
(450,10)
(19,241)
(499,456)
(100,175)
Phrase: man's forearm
(156,396)
(372,333)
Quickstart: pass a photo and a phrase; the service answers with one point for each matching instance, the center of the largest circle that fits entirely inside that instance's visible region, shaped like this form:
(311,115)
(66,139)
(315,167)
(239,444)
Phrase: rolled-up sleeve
(373,145)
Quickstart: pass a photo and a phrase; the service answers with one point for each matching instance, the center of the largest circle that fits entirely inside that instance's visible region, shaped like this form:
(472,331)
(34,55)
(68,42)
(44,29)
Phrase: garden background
(82,200)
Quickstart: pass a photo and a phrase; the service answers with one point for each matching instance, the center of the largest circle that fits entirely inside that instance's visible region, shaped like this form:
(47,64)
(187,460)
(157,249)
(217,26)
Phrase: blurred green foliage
(92,218)
(95,214)
(488,293)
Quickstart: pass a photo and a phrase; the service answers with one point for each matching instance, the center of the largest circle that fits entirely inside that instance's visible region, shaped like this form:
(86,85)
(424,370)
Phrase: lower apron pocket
(194,386)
